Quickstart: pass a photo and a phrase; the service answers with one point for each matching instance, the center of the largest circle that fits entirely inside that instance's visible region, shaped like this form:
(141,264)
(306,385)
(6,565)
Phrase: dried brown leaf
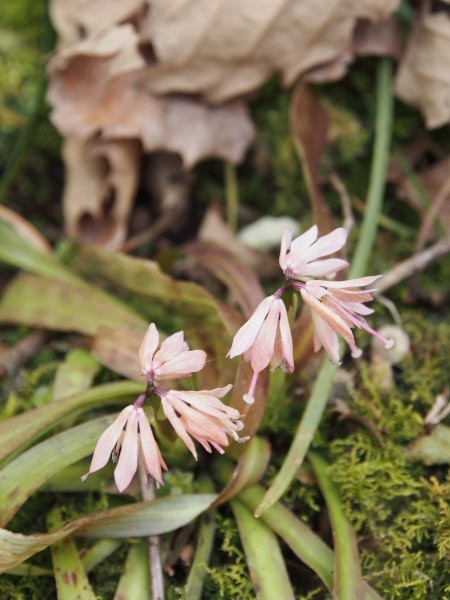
(101,181)
(73,21)
(225,49)
(100,84)
(309,127)
(240,279)
(423,78)
(214,229)
(378,39)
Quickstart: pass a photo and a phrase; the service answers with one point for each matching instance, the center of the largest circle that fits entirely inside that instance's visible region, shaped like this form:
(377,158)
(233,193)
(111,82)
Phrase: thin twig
(432,214)
(152,232)
(417,262)
(154,546)
(346,202)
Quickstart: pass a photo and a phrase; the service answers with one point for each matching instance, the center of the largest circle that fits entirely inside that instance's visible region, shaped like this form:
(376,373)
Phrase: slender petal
(170,347)
(263,346)
(298,258)
(246,335)
(182,365)
(325,336)
(173,360)
(148,348)
(149,448)
(128,459)
(329,316)
(287,352)
(108,440)
(177,424)
(203,416)
(340,304)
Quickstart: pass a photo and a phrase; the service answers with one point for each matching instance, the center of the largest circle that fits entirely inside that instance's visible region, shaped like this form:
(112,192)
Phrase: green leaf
(70,577)
(31,469)
(135,520)
(16,251)
(135,582)
(250,467)
(64,306)
(263,554)
(348,582)
(302,438)
(18,432)
(75,375)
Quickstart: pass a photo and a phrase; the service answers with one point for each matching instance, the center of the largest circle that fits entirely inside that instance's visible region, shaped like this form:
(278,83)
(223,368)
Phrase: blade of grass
(134,582)
(348,583)
(204,546)
(263,554)
(324,381)
(70,577)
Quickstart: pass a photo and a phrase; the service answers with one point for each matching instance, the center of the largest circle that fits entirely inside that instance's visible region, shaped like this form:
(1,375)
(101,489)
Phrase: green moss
(399,509)
(229,576)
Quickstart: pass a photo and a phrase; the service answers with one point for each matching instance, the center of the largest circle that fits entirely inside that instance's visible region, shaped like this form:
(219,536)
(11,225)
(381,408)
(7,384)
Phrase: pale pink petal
(327,244)
(263,347)
(285,246)
(218,392)
(359,308)
(208,404)
(246,335)
(286,339)
(108,440)
(325,336)
(170,347)
(301,243)
(328,315)
(177,424)
(148,347)
(349,283)
(149,448)
(319,268)
(348,296)
(128,459)
(182,365)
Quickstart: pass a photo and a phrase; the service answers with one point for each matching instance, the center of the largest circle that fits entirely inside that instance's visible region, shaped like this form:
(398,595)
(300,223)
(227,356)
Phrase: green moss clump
(231,579)
(399,509)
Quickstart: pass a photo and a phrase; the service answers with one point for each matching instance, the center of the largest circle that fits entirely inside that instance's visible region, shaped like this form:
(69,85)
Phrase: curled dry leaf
(424,74)
(225,49)
(101,180)
(100,85)
(309,127)
(73,21)
(379,39)
(214,229)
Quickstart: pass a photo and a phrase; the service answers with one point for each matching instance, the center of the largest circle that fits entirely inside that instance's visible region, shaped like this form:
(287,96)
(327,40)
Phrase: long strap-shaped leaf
(134,520)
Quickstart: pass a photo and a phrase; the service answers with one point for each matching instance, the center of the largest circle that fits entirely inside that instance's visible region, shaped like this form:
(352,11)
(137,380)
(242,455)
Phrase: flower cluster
(199,415)
(337,306)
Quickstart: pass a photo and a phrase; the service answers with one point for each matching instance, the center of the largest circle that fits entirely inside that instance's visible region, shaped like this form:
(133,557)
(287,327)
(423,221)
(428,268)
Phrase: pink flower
(129,435)
(265,339)
(203,416)
(337,308)
(299,257)
(173,360)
